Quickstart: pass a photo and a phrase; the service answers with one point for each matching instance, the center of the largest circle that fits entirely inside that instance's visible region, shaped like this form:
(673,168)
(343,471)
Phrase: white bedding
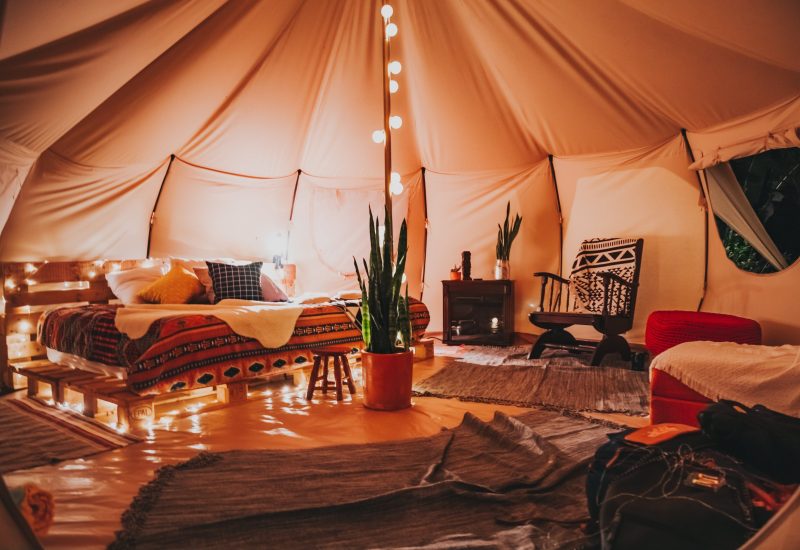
(270,323)
(751,375)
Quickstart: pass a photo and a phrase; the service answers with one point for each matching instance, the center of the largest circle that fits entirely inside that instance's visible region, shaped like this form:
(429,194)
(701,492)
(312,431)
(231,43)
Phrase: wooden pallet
(131,411)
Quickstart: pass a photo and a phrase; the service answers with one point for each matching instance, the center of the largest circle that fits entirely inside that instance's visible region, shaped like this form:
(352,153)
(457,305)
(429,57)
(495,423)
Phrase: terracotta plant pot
(387,380)
(455,275)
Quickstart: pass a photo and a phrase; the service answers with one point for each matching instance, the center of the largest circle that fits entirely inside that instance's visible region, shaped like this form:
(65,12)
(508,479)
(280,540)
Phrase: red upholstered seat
(673,401)
(670,399)
(666,329)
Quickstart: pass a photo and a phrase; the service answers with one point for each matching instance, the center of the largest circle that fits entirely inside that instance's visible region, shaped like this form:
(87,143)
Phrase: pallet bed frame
(29,288)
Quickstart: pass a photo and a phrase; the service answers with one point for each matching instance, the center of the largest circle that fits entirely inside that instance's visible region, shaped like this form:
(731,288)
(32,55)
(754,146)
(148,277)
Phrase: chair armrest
(548,275)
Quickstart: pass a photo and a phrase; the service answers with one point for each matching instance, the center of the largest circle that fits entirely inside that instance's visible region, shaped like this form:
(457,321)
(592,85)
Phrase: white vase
(502,270)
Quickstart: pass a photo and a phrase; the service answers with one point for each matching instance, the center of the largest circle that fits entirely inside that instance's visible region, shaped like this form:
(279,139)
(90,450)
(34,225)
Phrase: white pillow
(126,284)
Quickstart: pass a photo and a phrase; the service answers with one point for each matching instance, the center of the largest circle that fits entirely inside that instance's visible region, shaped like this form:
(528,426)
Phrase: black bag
(764,439)
(688,500)
(618,458)
(680,493)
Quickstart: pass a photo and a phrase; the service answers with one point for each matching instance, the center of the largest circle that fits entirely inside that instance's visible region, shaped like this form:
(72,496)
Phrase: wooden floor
(91,493)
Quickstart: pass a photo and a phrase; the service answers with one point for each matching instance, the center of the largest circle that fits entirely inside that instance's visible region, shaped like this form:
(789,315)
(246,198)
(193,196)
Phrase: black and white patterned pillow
(242,282)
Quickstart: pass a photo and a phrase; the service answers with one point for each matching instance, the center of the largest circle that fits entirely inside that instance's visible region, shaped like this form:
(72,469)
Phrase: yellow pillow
(178,286)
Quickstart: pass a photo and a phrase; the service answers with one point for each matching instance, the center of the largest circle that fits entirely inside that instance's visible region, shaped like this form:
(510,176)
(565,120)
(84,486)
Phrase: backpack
(679,492)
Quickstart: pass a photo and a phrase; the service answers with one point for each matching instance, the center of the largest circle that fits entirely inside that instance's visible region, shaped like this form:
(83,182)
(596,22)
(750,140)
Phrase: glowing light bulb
(395,122)
(10,284)
(391,30)
(394,177)
(30,268)
(393,86)
(92,274)
(387,11)
(378,136)
(394,67)
(396,188)
(115,267)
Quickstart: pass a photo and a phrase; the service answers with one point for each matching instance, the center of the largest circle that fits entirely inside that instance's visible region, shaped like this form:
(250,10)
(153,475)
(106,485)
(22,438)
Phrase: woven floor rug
(511,482)
(560,381)
(34,434)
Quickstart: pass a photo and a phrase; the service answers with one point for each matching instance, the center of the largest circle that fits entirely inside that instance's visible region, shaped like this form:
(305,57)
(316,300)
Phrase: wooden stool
(340,363)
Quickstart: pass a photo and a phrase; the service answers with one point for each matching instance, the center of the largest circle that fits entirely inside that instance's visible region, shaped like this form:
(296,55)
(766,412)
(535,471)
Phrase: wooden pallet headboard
(29,288)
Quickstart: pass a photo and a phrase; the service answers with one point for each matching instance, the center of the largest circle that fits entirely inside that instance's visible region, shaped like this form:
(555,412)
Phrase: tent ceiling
(262,89)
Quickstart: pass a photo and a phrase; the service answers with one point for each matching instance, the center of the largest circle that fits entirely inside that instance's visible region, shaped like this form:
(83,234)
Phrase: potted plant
(455,273)
(387,362)
(505,238)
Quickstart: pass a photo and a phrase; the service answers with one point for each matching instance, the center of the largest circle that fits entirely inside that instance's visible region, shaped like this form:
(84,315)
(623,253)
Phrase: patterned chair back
(622,257)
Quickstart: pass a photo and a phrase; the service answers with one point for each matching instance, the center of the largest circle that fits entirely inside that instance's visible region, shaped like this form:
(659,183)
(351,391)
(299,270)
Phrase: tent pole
(155,206)
(560,216)
(425,238)
(291,213)
(387,109)
(707,213)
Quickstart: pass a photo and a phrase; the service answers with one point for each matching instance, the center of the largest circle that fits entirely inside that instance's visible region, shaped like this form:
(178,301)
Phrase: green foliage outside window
(771,182)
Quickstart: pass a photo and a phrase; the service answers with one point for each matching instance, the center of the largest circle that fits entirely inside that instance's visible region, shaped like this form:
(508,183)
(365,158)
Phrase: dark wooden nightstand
(478,312)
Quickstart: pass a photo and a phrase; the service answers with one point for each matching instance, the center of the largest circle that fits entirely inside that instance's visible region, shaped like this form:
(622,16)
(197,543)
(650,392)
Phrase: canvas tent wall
(268,108)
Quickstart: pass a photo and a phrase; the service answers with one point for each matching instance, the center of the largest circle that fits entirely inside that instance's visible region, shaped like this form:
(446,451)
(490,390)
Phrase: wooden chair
(605,280)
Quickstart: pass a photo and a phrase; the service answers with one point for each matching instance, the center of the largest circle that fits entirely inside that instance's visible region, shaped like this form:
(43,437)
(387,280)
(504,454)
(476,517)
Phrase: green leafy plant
(384,310)
(507,234)
(771,182)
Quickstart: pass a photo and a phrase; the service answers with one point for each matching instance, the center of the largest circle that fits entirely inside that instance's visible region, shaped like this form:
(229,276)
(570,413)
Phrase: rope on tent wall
(560,216)
(155,205)
(704,195)
(425,238)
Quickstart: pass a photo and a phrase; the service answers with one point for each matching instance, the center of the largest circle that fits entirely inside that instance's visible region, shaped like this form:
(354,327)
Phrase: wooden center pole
(387,110)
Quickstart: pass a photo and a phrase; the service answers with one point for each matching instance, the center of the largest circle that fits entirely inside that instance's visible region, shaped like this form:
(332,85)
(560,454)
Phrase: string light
(394,67)
(10,284)
(393,86)
(391,30)
(378,136)
(395,122)
(395,185)
(387,11)
(29,268)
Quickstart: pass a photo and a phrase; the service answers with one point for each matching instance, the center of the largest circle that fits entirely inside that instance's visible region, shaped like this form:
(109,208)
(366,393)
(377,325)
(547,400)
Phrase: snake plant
(507,234)
(384,310)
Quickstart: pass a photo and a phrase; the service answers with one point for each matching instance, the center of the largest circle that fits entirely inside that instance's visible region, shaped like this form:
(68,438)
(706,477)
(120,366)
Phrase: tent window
(770,182)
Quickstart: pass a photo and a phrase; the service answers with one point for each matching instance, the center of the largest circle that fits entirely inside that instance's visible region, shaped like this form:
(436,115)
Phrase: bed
(191,351)
(686,378)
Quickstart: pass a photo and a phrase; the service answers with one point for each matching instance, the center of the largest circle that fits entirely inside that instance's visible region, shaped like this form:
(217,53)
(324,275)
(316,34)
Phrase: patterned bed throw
(194,350)
(596,256)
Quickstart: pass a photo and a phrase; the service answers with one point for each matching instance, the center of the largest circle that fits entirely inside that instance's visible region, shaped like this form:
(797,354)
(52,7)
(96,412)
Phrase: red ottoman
(666,329)
(670,399)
